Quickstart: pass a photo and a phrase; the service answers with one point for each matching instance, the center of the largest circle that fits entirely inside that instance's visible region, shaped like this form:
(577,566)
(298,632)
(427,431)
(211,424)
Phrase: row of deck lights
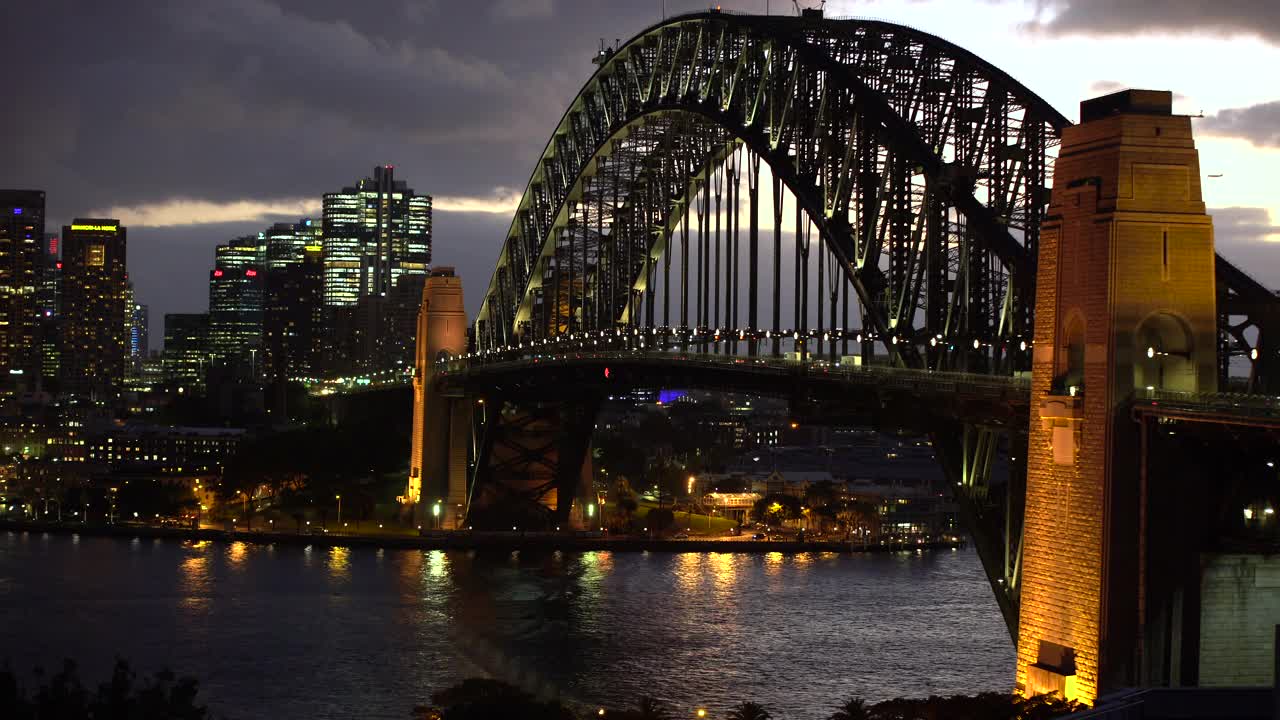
(704,335)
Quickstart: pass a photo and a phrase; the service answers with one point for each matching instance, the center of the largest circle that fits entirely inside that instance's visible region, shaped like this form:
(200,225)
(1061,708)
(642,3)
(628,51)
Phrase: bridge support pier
(441,425)
(532,464)
(1125,302)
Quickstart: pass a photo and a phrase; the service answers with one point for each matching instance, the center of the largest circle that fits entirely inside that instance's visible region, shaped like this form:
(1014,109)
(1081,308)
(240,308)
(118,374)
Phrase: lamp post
(244,507)
(339,499)
(435,513)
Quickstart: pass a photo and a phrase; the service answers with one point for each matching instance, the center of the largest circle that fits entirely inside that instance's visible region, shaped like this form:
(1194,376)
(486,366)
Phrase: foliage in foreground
(494,700)
(63,697)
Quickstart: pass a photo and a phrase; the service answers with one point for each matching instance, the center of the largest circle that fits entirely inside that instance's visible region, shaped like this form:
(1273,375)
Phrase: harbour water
(285,631)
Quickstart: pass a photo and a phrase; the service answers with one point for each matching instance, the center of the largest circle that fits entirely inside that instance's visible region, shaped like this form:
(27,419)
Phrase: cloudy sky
(194,121)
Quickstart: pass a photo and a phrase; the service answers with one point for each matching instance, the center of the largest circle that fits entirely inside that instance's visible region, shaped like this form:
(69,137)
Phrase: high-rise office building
(21,266)
(235,302)
(186,348)
(138,336)
(94,284)
(377,251)
(49,309)
(293,320)
(374,232)
(288,243)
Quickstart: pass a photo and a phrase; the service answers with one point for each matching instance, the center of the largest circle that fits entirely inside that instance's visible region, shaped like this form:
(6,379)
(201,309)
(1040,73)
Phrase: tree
(660,520)
(120,698)
(749,711)
(648,708)
(855,708)
(485,699)
(774,508)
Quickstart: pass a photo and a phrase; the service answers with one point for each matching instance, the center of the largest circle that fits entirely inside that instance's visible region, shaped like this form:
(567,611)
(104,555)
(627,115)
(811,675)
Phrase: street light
(339,499)
(435,513)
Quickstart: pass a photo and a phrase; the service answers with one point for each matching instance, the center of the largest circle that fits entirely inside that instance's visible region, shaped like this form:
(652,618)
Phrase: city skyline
(476,100)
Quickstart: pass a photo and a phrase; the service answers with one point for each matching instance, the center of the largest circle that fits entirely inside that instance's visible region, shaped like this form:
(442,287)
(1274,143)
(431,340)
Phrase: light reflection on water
(289,631)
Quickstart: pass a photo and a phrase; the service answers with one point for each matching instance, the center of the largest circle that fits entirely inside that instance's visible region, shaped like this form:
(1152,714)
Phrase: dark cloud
(1109,17)
(1259,124)
(1249,239)
(135,103)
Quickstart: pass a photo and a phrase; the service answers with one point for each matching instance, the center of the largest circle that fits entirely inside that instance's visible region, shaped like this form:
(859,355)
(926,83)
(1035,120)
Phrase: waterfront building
(235,302)
(186,348)
(94,286)
(21,265)
(165,450)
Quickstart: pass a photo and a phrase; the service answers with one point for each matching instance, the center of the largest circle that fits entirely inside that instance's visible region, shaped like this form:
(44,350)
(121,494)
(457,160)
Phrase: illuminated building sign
(217,273)
(17,211)
(95,228)
(251,273)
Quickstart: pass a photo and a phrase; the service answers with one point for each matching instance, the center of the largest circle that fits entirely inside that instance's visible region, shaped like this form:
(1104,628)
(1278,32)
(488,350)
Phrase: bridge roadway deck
(824,390)
(878,394)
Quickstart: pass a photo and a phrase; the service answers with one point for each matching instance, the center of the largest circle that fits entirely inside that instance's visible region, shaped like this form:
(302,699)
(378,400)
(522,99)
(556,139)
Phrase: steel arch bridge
(920,171)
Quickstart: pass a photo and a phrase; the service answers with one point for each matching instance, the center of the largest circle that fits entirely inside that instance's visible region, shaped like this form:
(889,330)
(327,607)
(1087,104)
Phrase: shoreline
(506,541)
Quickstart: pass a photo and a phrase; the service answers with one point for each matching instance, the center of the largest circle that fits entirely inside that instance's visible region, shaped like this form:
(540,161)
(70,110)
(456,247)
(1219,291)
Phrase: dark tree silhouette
(855,708)
(62,697)
(749,711)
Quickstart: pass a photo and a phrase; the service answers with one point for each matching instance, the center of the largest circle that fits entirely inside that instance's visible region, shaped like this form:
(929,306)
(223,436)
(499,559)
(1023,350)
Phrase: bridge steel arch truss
(922,171)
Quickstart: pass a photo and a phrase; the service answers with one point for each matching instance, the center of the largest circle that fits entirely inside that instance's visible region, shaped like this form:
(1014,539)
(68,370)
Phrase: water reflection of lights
(437,564)
(773,563)
(339,563)
(724,568)
(688,569)
(237,553)
(195,579)
(599,560)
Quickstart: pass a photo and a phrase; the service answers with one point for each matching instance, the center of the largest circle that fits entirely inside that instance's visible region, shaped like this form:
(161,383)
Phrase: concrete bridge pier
(437,487)
(1125,302)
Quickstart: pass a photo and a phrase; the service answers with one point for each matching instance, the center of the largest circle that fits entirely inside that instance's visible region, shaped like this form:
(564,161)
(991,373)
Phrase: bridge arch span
(896,176)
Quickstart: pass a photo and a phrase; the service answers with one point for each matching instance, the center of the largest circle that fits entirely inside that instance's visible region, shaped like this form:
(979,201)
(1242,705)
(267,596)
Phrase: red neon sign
(217,273)
(251,273)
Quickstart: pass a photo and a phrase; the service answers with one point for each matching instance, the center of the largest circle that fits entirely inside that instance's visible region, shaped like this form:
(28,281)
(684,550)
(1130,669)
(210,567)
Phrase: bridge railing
(1236,404)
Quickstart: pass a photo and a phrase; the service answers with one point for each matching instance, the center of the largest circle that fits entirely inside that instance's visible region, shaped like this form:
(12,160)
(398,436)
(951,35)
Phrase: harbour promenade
(464,540)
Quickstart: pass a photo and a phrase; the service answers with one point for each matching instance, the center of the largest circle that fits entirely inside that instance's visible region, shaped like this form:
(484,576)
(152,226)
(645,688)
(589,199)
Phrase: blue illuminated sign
(17,211)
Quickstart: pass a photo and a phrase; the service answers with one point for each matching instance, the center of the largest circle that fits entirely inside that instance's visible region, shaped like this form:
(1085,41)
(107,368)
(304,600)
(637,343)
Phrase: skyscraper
(288,243)
(235,301)
(377,250)
(94,285)
(186,348)
(293,324)
(21,266)
(374,232)
(138,336)
(49,309)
